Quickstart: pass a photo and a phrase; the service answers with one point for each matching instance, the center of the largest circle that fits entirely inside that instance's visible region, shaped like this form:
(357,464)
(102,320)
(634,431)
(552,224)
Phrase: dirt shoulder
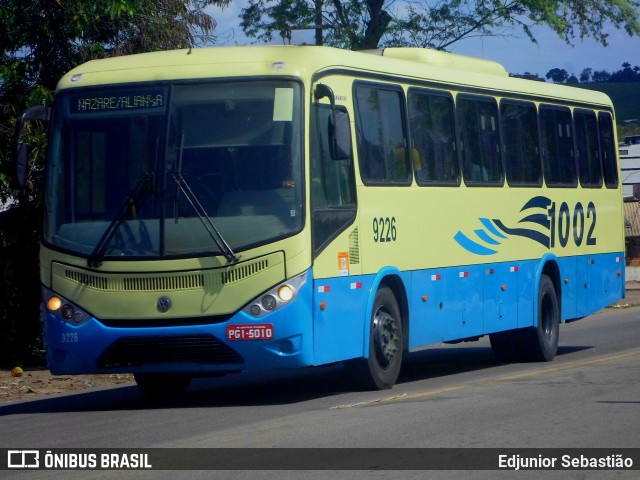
(37,383)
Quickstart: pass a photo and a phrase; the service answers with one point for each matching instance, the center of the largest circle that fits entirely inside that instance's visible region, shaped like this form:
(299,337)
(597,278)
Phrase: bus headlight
(276,298)
(63,309)
(285,293)
(54,303)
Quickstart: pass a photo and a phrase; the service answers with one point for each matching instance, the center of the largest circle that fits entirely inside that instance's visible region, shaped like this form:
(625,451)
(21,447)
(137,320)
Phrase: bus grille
(200,349)
(164,281)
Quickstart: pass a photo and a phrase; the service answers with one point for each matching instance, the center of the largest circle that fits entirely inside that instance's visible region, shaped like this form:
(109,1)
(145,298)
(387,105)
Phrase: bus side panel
(500,297)
(339,317)
(461,302)
(448,304)
(600,282)
(426,304)
(527,288)
(463,307)
(612,278)
(590,283)
(586,285)
(569,282)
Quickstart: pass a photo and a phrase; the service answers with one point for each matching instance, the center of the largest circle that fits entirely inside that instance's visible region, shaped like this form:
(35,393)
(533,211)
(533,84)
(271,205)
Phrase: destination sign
(118,101)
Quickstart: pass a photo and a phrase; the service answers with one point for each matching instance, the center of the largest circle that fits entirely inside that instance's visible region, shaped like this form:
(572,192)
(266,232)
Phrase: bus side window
(519,123)
(481,164)
(382,149)
(608,146)
(557,146)
(588,150)
(433,138)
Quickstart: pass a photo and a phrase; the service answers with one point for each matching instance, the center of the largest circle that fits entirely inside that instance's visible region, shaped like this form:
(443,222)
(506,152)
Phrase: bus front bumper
(281,339)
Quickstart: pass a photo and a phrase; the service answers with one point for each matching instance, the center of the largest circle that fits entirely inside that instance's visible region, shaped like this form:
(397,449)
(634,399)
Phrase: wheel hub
(385,337)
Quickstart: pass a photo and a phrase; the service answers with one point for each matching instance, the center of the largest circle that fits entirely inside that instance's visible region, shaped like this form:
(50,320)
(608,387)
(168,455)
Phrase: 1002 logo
(563,222)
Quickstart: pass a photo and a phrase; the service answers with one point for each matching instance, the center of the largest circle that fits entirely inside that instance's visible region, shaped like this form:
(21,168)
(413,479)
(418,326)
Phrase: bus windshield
(175,170)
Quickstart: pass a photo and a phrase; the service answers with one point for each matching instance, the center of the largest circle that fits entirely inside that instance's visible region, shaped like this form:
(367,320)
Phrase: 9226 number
(384,229)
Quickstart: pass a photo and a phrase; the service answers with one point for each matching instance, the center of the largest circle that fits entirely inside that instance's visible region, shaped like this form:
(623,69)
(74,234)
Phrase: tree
(600,76)
(557,75)
(366,24)
(627,74)
(42,39)
(585,76)
(39,41)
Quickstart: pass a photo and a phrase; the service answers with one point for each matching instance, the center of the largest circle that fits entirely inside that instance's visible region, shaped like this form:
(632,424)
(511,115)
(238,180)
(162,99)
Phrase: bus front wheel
(381,369)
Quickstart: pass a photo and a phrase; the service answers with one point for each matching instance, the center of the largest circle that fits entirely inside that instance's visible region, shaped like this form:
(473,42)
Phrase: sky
(517,53)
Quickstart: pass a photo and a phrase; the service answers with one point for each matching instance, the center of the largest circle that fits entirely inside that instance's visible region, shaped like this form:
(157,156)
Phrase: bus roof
(413,64)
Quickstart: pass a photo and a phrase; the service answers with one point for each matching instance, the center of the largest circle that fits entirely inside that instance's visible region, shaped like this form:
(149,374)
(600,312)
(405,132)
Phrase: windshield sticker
(283,105)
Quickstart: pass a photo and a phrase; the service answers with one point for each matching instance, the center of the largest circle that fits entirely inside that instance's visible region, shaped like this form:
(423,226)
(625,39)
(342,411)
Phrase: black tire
(163,387)
(381,369)
(541,342)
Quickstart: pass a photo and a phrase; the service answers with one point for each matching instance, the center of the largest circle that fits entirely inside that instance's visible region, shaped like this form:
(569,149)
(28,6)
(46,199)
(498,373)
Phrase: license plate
(262,331)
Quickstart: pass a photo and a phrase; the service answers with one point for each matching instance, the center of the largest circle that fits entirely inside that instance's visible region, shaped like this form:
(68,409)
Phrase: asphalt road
(447,396)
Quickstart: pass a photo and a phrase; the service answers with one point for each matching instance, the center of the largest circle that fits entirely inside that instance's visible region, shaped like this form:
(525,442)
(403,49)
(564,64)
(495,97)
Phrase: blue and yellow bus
(224,209)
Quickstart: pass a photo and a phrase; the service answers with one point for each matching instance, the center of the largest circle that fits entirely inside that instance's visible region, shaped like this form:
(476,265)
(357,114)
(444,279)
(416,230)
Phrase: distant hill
(625,98)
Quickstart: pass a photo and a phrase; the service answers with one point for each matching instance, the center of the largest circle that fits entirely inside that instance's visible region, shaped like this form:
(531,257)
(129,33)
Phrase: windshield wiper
(211,229)
(132,202)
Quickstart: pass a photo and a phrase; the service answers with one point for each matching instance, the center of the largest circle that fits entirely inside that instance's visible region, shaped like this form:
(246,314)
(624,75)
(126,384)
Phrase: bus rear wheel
(535,344)
(162,386)
(381,369)
(541,342)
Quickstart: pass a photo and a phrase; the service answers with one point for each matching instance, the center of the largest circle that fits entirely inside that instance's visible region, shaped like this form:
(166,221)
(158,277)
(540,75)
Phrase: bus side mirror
(340,135)
(339,125)
(21,150)
(22,162)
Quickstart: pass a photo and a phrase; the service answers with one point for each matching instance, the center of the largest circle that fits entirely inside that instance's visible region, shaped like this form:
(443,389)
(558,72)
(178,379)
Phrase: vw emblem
(163,304)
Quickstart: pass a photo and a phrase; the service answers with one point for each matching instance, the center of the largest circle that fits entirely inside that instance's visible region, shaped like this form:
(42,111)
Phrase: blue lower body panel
(463,302)
(329,319)
(93,347)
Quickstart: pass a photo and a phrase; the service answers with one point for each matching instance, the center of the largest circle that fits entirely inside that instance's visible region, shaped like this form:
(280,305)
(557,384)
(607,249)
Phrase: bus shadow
(455,359)
(243,389)
(267,388)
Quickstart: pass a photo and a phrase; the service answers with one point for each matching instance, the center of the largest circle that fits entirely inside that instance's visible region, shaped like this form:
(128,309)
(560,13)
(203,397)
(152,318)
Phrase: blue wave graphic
(489,226)
(484,236)
(488,237)
(471,246)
